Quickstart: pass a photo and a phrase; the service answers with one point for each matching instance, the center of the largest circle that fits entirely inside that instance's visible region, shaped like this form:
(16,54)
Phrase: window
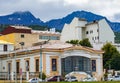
(95,38)
(22,43)
(97,30)
(17,67)
(27,65)
(91,31)
(22,35)
(98,37)
(9,68)
(87,32)
(49,37)
(93,65)
(54,38)
(37,65)
(5,47)
(54,65)
(43,37)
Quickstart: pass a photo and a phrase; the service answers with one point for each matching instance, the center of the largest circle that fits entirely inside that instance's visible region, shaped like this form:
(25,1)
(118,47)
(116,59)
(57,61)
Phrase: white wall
(48,65)
(93,37)
(10,47)
(105,32)
(76,30)
(73,30)
(31,57)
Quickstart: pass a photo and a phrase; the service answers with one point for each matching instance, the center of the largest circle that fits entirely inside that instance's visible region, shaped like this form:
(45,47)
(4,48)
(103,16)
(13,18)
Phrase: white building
(96,31)
(5,48)
(57,59)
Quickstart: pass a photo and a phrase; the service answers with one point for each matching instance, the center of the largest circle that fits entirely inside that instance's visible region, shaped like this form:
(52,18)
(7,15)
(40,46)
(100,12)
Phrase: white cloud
(75,2)
(51,9)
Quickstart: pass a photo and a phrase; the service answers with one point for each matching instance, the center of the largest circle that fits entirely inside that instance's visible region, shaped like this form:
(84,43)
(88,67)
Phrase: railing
(8,76)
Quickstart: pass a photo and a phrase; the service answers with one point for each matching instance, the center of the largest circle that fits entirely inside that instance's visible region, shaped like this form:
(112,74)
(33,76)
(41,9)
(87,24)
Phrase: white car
(70,79)
(116,78)
(89,79)
(110,78)
(34,80)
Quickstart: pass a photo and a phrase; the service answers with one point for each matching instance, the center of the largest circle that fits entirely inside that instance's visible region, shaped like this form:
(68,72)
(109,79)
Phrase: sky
(54,9)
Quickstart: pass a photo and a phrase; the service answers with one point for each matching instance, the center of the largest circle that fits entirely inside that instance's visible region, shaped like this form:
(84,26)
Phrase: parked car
(71,79)
(89,79)
(110,78)
(55,78)
(116,78)
(34,80)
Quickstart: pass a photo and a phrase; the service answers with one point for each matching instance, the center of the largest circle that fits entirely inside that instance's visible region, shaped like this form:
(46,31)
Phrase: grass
(63,82)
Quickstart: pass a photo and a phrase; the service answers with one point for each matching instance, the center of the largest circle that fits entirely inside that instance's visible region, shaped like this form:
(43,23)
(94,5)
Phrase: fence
(13,75)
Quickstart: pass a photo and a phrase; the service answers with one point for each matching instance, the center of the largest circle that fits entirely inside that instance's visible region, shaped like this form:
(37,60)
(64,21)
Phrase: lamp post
(41,61)
(42,43)
(15,52)
(15,68)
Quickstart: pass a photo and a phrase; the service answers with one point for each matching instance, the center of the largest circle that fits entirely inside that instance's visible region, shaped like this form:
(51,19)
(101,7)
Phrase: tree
(115,62)
(43,76)
(109,55)
(85,42)
(74,42)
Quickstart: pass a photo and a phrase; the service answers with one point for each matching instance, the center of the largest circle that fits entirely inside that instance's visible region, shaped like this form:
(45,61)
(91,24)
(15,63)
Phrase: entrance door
(9,71)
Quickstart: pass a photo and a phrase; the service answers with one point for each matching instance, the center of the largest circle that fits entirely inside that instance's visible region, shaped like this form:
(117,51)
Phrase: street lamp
(16,67)
(15,53)
(41,43)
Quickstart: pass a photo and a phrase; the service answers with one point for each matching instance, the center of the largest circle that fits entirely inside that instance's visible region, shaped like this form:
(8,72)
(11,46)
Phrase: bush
(43,76)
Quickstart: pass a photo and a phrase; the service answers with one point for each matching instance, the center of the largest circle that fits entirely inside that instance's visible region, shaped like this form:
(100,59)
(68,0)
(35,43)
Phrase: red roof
(13,29)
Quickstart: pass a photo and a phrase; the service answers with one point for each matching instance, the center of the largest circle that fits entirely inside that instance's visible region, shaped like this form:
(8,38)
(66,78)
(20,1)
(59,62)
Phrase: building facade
(96,31)
(22,36)
(57,59)
(6,47)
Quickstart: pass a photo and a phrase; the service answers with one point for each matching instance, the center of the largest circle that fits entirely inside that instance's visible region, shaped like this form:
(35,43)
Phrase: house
(54,58)
(22,36)
(5,49)
(96,31)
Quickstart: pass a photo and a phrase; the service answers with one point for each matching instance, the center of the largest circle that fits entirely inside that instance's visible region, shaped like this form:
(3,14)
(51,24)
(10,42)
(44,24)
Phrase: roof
(58,46)
(4,42)
(16,29)
(44,32)
(54,47)
(21,27)
(92,22)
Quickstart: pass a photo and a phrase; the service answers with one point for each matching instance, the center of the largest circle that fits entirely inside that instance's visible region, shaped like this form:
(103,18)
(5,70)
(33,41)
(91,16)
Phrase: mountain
(20,18)
(59,23)
(27,18)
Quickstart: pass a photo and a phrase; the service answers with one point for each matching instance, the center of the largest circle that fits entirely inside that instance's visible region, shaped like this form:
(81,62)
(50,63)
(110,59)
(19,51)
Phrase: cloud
(51,9)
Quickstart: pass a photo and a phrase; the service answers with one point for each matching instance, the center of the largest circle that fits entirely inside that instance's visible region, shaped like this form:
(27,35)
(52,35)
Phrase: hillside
(27,18)
(20,18)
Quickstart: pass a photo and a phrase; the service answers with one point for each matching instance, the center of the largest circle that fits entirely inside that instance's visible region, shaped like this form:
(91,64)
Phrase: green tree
(115,62)
(74,42)
(85,42)
(43,76)
(110,53)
